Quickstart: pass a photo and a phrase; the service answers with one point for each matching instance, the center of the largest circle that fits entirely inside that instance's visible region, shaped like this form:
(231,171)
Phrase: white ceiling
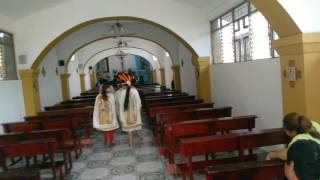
(18,8)
(200,3)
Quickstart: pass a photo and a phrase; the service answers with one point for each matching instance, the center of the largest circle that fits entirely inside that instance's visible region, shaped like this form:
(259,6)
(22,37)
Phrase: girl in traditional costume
(104,116)
(129,103)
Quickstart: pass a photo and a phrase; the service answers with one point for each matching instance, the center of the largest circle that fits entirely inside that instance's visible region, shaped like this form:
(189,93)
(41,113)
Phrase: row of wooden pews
(61,129)
(189,127)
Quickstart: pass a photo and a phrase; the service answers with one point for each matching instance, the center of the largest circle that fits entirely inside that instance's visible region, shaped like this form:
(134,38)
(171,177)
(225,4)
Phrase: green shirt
(306,136)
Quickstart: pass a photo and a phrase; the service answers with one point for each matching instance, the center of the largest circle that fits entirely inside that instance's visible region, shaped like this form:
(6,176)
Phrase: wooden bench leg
(61,174)
(70,161)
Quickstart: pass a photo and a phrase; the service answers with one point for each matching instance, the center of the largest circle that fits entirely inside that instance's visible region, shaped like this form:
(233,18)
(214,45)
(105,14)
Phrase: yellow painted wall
(30,86)
(304,49)
(176,77)
(65,86)
(92,80)
(154,76)
(82,82)
(162,75)
(203,78)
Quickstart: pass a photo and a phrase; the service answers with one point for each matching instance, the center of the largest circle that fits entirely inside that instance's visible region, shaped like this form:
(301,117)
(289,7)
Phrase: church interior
(215,78)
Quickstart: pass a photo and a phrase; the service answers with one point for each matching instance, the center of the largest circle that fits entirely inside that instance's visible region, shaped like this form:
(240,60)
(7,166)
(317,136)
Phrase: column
(163,77)
(176,77)
(203,78)
(30,87)
(82,82)
(92,80)
(65,86)
(300,64)
(154,76)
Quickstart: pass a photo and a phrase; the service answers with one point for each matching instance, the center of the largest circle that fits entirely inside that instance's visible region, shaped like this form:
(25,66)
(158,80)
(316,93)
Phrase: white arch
(109,52)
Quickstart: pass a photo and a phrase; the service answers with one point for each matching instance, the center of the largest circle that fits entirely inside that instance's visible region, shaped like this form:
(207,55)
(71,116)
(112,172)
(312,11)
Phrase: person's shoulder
(316,125)
(98,96)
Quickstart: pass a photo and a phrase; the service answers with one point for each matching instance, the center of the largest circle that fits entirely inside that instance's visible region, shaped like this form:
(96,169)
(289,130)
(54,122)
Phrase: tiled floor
(121,162)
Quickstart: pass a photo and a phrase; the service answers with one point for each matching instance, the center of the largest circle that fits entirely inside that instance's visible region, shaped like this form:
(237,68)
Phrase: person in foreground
(303,151)
(104,115)
(303,161)
(129,104)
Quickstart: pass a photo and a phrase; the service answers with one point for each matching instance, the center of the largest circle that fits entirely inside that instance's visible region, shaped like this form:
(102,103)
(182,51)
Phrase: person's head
(305,155)
(104,89)
(295,124)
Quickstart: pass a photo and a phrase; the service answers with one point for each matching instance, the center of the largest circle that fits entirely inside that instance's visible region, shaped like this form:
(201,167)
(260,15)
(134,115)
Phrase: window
(2,64)
(8,70)
(242,34)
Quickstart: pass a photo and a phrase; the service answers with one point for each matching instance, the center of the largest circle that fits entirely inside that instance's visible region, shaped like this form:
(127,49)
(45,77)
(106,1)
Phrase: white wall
(74,80)
(250,88)
(305,13)
(49,84)
(168,73)
(11,98)
(6,24)
(11,104)
(187,72)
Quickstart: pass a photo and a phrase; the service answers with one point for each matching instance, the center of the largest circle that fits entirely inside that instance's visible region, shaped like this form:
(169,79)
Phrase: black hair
(126,100)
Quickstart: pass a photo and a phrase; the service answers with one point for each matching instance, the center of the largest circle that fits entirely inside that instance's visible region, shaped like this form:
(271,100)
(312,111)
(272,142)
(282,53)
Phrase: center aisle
(121,162)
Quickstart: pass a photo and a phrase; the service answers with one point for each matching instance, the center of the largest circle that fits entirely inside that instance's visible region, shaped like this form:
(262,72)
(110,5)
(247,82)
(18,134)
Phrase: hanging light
(117,28)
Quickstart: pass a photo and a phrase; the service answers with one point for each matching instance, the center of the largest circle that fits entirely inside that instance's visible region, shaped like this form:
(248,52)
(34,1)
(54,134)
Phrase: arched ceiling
(147,46)
(136,30)
(110,52)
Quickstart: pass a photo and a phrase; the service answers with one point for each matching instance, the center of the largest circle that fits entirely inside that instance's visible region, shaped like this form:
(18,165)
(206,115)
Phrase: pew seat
(31,149)
(240,142)
(20,174)
(174,132)
(254,170)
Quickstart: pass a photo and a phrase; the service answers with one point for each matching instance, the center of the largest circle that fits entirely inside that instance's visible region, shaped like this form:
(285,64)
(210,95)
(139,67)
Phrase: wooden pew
(62,136)
(46,125)
(162,97)
(20,174)
(168,99)
(69,106)
(174,108)
(174,132)
(89,93)
(85,97)
(149,94)
(240,142)
(31,149)
(253,170)
(174,103)
(77,101)
(194,114)
(166,95)
(79,116)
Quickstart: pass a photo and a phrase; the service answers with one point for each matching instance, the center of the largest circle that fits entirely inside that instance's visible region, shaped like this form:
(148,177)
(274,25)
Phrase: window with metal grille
(8,70)
(241,34)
